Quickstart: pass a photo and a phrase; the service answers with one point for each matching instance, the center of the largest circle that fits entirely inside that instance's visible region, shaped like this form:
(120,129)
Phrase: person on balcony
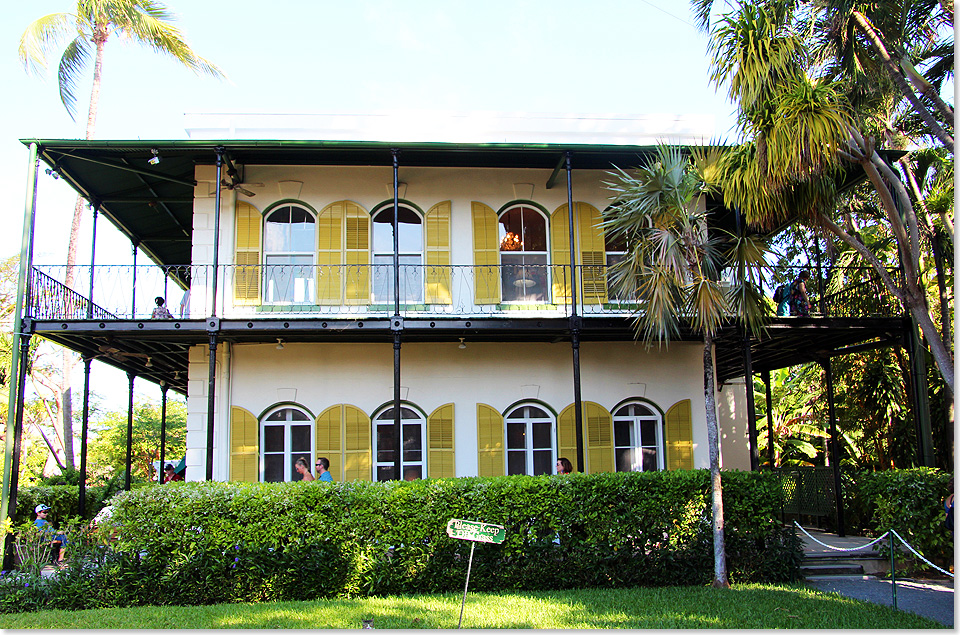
(161,312)
(799,300)
(303,469)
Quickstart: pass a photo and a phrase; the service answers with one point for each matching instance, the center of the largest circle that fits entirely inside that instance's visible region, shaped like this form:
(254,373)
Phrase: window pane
(649,460)
(412,443)
(385,443)
(273,468)
(300,439)
(516,462)
(277,231)
(621,433)
(279,415)
(302,234)
(624,459)
(384,472)
(542,462)
(541,435)
(534,412)
(273,439)
(534,231)
(648,433)
(296,415)
(511,230)
(412,473)
(516,435)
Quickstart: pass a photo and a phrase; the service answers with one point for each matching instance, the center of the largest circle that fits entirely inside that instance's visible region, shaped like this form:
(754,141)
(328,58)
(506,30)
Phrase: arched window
(289,248)
(286,434)
(412,454)
(530,440)
(638,438)
(523,254)
(410,234)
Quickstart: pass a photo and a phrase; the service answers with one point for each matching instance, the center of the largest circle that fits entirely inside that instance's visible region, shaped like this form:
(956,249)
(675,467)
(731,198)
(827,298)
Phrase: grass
(743,606)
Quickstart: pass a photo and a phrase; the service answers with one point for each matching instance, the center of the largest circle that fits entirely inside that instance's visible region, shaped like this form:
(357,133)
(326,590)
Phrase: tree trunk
(713,439)
(901,83)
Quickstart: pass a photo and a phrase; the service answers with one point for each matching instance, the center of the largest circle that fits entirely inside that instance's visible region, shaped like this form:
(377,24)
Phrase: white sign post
(474,532)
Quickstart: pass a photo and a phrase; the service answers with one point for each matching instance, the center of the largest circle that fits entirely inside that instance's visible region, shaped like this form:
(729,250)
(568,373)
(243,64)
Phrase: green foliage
(910,502)
(64,500)
(202,543)
(108,453)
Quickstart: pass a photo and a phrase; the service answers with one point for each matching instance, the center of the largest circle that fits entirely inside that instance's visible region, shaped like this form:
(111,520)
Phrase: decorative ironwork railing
(844,291)
(250,291)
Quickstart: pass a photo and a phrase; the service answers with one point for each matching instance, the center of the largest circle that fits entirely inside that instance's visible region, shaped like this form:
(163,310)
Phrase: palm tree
(673,267)
(86,32)
(801,129)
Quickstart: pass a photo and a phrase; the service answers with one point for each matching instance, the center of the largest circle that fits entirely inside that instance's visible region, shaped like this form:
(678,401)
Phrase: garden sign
(474,532)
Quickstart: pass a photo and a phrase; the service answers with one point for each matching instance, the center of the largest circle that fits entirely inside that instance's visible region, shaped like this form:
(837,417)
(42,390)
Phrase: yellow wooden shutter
(246,279)
(486,255)
(244,446)
(567,435)
(438,254)
(560,255)
(593,255)
(329,439)
(357,460)
(357,258)
(330,254)
(598,426)
(440,457)
(490,459)
(679,432)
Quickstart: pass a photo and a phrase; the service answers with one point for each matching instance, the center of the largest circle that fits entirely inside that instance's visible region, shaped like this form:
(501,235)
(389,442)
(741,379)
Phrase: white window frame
(528,419)
(414,290)
(309,290)
(290,456)
(407,467)
(635,435)
(540,272)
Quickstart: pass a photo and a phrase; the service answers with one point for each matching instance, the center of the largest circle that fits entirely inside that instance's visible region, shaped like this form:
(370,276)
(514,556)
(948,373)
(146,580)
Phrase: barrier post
(893,570)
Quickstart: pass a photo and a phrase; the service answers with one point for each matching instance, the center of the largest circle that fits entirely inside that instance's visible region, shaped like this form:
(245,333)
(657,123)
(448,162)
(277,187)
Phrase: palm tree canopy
(142,21)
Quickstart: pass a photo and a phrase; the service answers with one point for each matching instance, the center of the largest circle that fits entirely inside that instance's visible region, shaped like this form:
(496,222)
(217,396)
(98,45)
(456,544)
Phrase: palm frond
(72,64)
(41,38)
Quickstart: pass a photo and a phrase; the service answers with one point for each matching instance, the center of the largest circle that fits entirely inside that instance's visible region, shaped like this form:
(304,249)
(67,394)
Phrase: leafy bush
(201,543)
(64,500)
(911,502)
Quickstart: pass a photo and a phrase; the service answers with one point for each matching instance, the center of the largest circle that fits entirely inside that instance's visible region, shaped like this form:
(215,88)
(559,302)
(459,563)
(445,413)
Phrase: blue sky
(314,56)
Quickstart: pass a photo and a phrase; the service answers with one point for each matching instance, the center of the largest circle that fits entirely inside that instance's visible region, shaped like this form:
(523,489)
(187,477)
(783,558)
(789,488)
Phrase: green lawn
(746,606)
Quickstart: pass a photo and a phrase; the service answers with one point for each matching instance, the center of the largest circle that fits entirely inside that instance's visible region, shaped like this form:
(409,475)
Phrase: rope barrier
(839,548)
(917,554)
(873,542)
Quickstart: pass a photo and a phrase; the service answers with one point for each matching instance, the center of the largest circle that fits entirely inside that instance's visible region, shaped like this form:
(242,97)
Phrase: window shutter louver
(246,280)
(560,255)
(598,424)
(592,255)
(438,254)
(244,446)
(357,255)
(328,433)
(486,255)
(490,459)
(440,458)
(357,459)
(678,425)
(330,254)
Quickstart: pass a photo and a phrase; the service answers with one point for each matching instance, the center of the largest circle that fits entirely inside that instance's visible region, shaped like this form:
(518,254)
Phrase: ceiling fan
(110,350)
(236,179)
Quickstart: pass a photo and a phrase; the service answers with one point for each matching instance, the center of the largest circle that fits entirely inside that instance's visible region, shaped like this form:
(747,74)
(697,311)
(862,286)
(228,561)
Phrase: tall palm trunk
(713,440)
(69,361)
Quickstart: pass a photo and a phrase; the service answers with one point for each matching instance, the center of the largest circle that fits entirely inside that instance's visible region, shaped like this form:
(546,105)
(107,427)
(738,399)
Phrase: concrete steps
(829,566)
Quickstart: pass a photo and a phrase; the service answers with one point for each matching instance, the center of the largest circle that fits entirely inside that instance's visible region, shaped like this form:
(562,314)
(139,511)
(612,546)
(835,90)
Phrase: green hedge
(911,502)
(64,501)
(201,543)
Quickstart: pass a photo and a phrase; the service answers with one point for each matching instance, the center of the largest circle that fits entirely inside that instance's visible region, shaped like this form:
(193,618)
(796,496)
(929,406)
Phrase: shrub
(201,543)
(911,502)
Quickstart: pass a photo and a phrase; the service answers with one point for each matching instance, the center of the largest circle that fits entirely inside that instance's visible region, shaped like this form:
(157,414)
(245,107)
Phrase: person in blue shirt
(323,469)
(46,528)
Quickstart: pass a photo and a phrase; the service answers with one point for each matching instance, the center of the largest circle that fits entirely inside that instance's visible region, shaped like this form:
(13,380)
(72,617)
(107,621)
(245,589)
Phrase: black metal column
(17,435)
(216,238)
(834,445)
(163,428)
(751,405)
(575,321)
(396,323)
(84,431)
(93,261)
(769,395)
(129,460)
(211,401)
(133,291)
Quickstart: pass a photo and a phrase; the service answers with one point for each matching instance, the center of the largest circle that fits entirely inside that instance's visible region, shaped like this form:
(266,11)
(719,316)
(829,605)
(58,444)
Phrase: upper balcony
(351,292)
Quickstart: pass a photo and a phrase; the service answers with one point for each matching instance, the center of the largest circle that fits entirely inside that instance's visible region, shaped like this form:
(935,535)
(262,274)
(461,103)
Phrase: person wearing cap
(46,527)
(169,475)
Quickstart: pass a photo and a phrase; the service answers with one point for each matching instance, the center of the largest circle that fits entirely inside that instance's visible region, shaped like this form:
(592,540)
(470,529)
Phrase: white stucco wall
(732,416)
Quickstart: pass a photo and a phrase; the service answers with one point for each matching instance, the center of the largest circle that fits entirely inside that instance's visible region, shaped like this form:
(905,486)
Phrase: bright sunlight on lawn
(747,606)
